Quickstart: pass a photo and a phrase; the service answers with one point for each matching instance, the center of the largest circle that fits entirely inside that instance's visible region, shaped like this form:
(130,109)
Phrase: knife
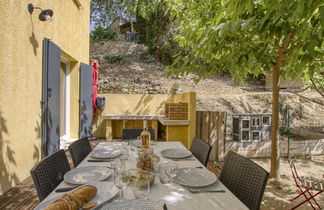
(184,159)
(104,160)
(205,190)
(65,189)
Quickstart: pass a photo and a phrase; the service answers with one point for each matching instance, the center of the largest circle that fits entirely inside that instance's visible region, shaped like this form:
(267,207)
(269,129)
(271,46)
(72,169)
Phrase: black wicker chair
(49,173)
(245,179)
(79,150)
(134,133)
(201,150)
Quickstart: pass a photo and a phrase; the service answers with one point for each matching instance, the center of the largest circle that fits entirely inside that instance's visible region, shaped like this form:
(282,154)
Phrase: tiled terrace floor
(24,195)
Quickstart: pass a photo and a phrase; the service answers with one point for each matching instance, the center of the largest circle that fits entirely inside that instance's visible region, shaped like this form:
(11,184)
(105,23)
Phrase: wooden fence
(210,127)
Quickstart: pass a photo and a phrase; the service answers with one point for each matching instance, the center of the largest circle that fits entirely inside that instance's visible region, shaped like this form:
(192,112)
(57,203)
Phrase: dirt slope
(139,73)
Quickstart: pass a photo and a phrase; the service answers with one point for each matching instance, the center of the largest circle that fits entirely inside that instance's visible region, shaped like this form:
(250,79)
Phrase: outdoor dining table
(177,197)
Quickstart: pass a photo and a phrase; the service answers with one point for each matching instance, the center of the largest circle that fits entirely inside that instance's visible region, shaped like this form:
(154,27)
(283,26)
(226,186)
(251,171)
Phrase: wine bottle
(145,136)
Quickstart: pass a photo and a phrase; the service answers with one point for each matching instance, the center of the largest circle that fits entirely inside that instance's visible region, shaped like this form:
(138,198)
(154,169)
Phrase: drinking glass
(120,183)
(124,153)
(164,178)
(153,144)
(142,188)
(113,165)
(171,171)
(120,166)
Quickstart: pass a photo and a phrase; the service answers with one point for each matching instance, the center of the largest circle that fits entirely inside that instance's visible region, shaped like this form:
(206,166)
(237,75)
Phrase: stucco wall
(138,104)
(21,36)
(131,104)
(135,104)
(189,130)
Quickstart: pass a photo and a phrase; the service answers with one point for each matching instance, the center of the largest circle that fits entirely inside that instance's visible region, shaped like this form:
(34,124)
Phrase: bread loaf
(75,199)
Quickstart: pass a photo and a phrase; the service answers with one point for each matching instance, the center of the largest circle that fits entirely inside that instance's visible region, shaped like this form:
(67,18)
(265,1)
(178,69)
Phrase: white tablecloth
(179,197)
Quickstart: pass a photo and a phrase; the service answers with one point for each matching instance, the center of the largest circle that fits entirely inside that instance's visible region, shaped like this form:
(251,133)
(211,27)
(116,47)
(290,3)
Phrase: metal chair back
(134,133)
(306,186)
(79,150)
(201,150)
(245,179)
(49,173)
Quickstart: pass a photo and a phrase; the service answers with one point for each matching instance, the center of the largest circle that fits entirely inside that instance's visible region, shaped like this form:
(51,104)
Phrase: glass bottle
(145,136)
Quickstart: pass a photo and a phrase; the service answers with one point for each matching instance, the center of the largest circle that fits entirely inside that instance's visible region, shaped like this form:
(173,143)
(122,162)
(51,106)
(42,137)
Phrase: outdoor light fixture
(45,15)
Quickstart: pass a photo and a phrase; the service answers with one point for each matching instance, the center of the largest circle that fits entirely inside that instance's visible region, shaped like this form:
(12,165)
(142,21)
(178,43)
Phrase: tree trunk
(275,151)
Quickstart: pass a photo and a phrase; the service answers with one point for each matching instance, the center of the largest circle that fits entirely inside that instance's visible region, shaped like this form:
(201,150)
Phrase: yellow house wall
(122,104)
(134,104)
(74,99)
(131,104)
(177,133)
(21,77)
(118,126)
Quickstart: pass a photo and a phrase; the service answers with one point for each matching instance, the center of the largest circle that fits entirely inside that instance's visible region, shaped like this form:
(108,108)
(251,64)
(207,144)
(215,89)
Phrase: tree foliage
(103,12)
(245,36)
(250,37)
(100,34)
(155,28)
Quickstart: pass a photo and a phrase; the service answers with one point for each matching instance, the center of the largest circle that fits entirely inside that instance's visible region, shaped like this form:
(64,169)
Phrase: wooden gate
(210,127)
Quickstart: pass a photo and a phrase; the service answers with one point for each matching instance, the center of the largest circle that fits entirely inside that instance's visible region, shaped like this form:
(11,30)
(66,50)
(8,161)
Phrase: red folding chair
(305,185)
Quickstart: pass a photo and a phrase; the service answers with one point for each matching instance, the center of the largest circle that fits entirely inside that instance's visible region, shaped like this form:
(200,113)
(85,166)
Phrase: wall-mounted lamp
(45,15)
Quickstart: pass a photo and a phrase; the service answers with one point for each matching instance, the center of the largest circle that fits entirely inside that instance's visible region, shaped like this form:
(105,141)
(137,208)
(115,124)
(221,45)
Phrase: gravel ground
(278,193)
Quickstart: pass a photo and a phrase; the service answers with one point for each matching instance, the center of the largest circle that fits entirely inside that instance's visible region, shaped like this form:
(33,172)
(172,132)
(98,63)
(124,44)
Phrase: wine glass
(120,166)
(142,188)
(125,153)
(120,183)
(171,169)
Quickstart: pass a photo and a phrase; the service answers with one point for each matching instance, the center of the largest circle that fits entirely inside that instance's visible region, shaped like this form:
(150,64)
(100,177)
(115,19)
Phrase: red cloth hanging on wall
(95,67)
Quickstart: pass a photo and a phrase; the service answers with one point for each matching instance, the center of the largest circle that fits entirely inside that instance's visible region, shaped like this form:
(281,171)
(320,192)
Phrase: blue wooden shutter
(85,101)
(51,98)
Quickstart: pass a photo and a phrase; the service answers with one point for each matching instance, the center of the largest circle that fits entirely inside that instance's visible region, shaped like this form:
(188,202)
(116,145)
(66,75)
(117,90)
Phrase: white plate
(195,177)
(83,175)
(176,153)
(129,205)
(107,152)
(105,191)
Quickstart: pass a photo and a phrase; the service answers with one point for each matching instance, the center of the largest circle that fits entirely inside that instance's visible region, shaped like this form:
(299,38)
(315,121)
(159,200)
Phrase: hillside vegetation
(127,68)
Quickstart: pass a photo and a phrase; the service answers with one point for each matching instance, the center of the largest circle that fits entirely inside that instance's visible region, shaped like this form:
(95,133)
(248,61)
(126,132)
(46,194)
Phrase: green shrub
(147,57)
(100,34)
(113,59)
